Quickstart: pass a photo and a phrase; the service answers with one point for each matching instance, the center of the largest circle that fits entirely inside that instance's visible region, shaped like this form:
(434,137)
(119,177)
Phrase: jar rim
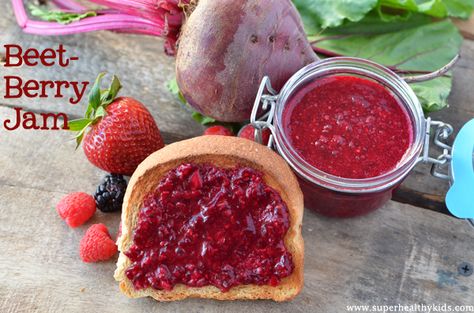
(362,68)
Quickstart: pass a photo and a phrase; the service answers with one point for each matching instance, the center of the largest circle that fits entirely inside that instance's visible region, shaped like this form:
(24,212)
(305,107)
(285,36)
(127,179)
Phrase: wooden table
(405,253)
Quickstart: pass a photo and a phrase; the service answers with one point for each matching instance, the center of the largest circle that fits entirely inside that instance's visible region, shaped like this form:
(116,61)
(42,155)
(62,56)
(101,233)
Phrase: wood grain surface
(399,254)
(466,27)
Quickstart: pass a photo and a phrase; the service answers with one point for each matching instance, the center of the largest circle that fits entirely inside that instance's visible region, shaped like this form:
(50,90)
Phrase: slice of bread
(220,151)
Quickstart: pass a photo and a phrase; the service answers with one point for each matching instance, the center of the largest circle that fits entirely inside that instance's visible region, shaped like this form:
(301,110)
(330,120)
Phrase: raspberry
(76,208)
(109,194)
(248,132)
(97,245)
(218,130)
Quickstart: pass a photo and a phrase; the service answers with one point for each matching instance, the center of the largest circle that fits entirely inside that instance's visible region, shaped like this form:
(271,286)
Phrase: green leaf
(426,47)
(317,14)
(79,124)
(433,94)
(209,121)
(100,112)
(459,8)
(423,48)
(95,94)
(173,87)
(79,138)
(396,33)
(58,16)
(202,119)
(371,24)
(108,95)
(434,8)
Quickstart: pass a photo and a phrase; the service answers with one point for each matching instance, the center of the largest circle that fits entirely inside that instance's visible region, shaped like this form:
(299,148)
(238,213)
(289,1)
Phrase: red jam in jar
(206,225)
(349,127)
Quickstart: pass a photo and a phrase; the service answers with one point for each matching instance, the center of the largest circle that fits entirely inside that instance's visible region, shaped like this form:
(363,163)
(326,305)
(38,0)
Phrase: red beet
(227,46)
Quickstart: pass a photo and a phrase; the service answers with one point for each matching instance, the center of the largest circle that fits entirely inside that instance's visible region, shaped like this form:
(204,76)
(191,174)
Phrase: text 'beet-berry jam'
(207,225)
(351,130)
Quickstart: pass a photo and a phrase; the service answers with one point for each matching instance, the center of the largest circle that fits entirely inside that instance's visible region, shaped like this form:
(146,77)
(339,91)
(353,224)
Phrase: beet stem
(102,22)
(149,9)
(326,53)
(70,5)
(441,72)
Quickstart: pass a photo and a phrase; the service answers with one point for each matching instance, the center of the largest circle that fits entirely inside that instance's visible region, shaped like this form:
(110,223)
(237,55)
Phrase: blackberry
(109,194)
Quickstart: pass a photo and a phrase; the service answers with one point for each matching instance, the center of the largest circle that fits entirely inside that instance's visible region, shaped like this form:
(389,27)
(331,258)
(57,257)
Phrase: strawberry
(218,130)
(117,134)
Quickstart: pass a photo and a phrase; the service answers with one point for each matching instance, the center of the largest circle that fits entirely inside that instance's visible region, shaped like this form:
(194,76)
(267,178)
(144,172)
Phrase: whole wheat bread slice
(224,152)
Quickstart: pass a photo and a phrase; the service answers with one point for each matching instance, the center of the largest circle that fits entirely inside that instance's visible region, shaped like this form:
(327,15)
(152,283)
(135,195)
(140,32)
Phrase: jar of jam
(351,130)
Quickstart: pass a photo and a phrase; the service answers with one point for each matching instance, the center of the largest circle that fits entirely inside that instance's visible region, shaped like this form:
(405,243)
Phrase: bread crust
(221,151)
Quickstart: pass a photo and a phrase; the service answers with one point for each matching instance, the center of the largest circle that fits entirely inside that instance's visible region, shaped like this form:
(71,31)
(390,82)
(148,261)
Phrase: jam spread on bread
(206,225)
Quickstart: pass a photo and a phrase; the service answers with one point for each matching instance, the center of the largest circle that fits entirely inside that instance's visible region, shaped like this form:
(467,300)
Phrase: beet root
(226,47)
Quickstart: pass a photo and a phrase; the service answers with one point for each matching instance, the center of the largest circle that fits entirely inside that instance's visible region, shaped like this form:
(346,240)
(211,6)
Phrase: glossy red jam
(348,126)
(206,225)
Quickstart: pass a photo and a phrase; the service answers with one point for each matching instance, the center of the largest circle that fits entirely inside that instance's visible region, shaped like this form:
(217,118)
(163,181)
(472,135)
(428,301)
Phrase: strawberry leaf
(79,138)
(115,87)
(94,95)
(99,113)
(109,94)
(84,123)
(79,124)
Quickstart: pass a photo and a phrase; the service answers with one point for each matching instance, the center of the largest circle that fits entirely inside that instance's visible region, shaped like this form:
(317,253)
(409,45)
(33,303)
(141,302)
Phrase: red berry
(248,132)
(123,138)
(97,245)
(218,130)
(122,131)
(76,208)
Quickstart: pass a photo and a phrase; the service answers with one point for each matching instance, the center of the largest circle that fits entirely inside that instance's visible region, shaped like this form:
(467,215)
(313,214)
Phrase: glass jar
(325,193)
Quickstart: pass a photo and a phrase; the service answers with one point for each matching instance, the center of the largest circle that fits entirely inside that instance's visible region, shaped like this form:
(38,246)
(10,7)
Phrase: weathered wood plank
(399,254)
(466,27)
(424,200)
